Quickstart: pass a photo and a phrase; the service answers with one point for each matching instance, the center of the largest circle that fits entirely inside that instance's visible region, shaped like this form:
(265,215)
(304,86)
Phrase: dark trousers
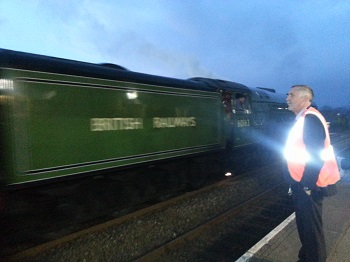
(308,214)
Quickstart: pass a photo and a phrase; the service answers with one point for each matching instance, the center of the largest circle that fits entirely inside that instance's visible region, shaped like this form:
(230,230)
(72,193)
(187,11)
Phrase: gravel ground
(132,239)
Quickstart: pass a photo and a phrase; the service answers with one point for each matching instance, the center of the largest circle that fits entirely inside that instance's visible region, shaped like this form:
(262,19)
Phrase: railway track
(143,235)
(227,236)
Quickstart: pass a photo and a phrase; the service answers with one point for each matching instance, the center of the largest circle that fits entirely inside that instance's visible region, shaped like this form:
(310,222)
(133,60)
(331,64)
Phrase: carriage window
(241,103)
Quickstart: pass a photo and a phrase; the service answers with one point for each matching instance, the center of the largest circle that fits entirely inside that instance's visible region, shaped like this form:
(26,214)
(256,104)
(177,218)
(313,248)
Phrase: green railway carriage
(78,140)
(62,118)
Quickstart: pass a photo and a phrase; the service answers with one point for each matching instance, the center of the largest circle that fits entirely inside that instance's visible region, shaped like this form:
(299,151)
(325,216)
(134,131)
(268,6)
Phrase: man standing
(312,171)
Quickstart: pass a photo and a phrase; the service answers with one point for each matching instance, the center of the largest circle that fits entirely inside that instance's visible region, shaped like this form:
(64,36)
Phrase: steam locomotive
(64,120)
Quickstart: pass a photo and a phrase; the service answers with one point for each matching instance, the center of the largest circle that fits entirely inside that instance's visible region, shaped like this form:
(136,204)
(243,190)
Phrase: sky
(265,43)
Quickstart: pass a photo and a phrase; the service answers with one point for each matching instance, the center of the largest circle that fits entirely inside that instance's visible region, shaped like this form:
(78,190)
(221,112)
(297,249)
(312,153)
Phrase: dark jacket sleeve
(314,136)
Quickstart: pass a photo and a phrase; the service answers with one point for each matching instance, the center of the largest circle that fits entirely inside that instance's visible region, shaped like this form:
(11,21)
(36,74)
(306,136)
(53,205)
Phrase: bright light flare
(131,95)
(6,84)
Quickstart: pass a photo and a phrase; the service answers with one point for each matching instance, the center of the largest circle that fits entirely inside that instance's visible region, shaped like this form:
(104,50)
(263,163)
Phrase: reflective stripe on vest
(297,156)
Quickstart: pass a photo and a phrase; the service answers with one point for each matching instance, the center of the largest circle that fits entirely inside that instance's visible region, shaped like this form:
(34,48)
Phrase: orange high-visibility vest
(297,155)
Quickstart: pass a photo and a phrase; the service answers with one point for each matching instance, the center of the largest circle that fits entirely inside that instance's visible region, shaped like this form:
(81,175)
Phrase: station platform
(283,244)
